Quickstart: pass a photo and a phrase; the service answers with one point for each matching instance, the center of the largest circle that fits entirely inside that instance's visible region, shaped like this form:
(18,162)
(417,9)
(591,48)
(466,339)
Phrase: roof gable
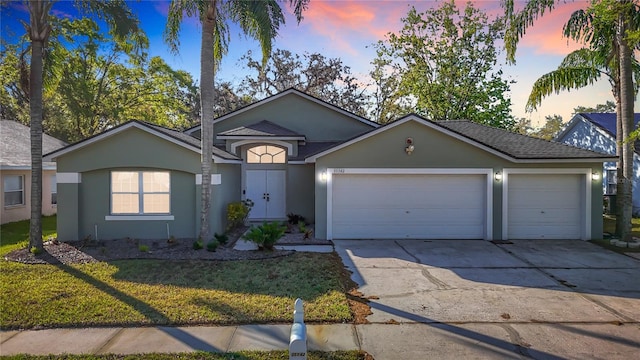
(287,94)
(507,145)
(173,136)
(263,128)
(15,145)
(604,123)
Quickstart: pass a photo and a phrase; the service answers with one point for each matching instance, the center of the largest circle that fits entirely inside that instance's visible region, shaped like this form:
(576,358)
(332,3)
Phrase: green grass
(160,292)
(609,225)
(243,355)
(15,235)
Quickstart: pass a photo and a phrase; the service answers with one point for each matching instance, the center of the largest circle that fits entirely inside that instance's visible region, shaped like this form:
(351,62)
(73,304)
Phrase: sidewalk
(172,339)
(382,341)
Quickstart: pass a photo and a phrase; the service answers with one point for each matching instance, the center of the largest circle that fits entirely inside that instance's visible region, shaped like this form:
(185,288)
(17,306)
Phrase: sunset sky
(347,29)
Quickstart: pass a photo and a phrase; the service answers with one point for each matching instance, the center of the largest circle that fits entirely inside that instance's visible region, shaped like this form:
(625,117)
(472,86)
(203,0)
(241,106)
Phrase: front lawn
(15,235)
(160,292)
(610,225)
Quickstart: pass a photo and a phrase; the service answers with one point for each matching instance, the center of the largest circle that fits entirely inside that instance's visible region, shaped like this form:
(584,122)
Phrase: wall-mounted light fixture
(410,147)
(323,176)
(498,176)
(595,176)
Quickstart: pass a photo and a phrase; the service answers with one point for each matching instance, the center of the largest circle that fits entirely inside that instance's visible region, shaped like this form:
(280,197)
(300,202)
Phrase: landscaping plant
(237,213)
(265,235)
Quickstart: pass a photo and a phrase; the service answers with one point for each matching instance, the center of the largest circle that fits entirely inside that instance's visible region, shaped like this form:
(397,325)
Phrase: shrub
(295,219)
(237,213)
(143,248)
(265,235)
(197,245)
(221,238)
(212,245)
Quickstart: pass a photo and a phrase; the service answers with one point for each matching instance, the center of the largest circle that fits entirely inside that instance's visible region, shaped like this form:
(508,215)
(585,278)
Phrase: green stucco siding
(305,117)
(130,148)
(228,191)
(301,191)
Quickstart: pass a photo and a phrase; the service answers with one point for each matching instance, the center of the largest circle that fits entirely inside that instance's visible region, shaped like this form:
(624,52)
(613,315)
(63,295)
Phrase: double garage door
(454,206)
(403,206)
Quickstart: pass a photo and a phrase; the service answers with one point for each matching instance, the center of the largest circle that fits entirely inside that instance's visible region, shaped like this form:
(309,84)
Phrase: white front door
(266,188)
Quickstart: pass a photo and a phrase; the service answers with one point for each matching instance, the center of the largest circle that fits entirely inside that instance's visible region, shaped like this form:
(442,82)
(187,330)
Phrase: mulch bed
(82,252)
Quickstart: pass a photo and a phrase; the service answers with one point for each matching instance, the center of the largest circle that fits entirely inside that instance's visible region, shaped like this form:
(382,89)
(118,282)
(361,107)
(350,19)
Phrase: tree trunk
(35,108)
(38,33)
(626,105)
(207,102)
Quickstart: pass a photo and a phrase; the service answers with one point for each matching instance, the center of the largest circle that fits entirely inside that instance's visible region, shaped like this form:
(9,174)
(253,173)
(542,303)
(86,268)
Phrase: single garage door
(545,206)
(393,206)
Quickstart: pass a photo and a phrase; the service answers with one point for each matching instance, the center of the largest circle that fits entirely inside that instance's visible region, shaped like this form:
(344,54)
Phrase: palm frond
(517,23)
(559,80)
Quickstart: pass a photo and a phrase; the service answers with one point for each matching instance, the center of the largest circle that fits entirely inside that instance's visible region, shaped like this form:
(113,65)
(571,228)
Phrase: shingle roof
(15,144)
(312,148)
(176,135)
(607,122)
(263,128)
(516,145)
(190,140)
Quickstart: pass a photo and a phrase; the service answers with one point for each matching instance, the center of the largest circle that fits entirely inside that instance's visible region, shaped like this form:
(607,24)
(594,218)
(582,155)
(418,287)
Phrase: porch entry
(266,188)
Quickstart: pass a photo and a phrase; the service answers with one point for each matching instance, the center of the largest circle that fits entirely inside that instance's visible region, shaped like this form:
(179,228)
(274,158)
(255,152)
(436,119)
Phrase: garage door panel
(409,206)
(545,206)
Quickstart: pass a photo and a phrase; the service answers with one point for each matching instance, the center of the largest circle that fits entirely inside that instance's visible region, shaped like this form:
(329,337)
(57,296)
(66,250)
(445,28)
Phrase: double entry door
(266,188)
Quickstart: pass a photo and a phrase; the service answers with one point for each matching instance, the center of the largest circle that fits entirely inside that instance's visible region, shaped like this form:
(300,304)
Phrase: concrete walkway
(383,341)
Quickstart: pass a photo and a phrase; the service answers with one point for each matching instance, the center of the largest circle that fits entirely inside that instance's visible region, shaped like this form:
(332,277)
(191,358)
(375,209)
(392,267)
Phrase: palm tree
(121,20)
(605,26)
(259,19)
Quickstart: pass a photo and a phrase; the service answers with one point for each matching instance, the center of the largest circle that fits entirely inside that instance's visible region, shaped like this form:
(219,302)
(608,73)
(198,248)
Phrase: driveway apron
(543,289)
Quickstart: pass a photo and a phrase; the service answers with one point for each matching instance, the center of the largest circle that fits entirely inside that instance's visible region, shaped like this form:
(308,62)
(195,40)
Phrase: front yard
(162,292)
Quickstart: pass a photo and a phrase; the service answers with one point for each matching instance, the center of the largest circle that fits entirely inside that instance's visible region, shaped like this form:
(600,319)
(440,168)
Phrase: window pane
(125,204)
(54,184)
(279,158)
(13,198)
(266,154)
(54,198)
(156,203)
(155,182)
(124,181)
(13,183)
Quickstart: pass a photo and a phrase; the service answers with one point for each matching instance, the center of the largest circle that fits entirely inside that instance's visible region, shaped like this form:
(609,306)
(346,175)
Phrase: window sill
(16,206)
(138,217)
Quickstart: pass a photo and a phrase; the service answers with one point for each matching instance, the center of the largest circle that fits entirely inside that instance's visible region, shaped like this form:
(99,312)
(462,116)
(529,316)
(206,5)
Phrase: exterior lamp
(323,176)
(595,176)
(498,176)
(409,148)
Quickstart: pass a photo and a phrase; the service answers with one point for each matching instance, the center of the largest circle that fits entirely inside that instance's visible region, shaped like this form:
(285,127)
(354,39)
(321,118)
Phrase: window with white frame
(13,190)
(140,192)
(266,154)
(612,181)
(54,190)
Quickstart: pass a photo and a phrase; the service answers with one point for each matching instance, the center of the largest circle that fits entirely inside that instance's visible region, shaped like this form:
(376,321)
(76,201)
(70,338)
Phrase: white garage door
(408,206)
(545,206)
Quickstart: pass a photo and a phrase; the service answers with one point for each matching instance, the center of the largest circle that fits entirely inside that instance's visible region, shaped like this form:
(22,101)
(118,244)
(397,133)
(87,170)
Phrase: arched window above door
(266,154)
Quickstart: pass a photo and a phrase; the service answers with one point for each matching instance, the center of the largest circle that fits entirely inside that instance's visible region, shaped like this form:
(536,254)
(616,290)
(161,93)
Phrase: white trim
(133,124)
(216,179)
(411,171)
(299,162)
(284,144)
(313,158)
(138,217)
(25,167)
(585,172)
(282,94)
(68,178)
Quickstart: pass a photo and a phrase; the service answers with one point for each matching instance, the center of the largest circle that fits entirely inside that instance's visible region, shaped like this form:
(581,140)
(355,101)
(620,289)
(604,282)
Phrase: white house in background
(15,172)
(597,132)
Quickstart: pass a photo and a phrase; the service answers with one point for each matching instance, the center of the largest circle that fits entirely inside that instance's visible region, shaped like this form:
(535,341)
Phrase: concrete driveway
(539,299)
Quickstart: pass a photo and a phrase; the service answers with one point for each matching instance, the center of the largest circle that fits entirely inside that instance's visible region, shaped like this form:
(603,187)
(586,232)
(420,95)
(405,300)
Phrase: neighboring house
(597,132)
(293,153)
(15,172)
